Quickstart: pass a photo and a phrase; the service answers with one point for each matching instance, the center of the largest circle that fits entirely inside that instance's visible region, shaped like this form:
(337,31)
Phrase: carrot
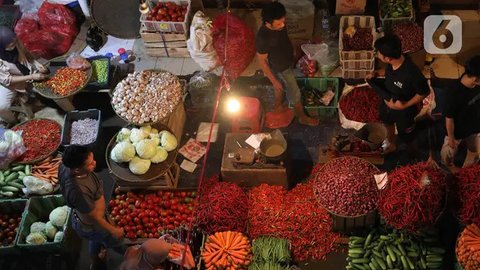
(228,239)
(43,166)
(215,240)
(236,239)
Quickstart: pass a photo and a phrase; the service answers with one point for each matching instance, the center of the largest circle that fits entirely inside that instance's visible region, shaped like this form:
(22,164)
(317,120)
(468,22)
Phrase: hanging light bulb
(233,105)
(143,7)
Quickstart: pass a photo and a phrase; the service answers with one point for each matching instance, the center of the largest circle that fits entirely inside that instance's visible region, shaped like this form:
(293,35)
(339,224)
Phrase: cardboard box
(300,18)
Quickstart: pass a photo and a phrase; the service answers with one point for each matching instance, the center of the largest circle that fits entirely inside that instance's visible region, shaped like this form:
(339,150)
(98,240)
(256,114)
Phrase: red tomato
(145,220)
(180,19)
(131,235)
(162,11)
(136,220)
(156,235)
(156,221)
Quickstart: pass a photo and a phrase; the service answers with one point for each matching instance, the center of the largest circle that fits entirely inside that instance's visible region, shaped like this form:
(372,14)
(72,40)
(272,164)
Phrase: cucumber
(355,246)
(6,172)
(6,193)
(361,260)
(392,254)
(10,188)
(410,263)
(12,176)
(18,168)
(357,238)
(355,255)
(2,177)
(372,266)
(436,250)
(368,253)
(2,184)
(356,250)
(404,263)
(21,177)
(433,265)
(412,254)
(368,240)
(378,254)
(358,266)
(384,237)
(389,262)
(402,250)
(396,250)
(434,258)
(381,262)
(28,169)
(16,185)
(21,173)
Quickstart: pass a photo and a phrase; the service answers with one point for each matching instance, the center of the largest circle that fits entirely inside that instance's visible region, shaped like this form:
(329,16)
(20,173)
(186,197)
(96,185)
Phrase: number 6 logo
(442,34)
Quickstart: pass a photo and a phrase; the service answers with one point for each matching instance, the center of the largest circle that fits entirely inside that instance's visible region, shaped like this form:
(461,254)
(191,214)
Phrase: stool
(249,119)
(22,106)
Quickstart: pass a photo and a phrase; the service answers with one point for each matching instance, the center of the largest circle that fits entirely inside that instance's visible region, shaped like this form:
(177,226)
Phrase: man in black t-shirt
(462,114)
(275,56)
(83,192)
(402,91)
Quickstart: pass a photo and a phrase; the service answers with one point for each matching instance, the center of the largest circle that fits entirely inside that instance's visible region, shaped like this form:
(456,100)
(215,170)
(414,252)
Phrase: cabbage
(123,135)
(139,166)
(137,135)
(37,227)
(146,149)
(122,152)
(156,140)
(35,239)
(153,131)
(146,129)
(58,216)
(168,140)
(58,236)
(50,230)
(160,156)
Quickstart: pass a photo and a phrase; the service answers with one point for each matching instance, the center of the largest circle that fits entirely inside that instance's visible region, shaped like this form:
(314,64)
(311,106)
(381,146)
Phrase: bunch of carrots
(468,248)
(176,252)
(227,250)
(47,169)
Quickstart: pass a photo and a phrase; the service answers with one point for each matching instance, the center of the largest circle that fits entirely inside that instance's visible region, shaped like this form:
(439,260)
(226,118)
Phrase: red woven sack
(240,44)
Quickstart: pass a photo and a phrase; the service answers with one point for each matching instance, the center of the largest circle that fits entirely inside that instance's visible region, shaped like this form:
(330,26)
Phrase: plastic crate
(320,84)
(11,207)
(389,22)
(95,85)
(73,116)
(9,16)
(355,74)
(38,209)
(159,26)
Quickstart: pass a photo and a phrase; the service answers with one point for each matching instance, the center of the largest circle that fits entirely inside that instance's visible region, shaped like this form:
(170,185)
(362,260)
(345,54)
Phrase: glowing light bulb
(233,105)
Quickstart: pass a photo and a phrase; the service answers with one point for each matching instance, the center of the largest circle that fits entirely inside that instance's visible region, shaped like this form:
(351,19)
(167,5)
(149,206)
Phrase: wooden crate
(168,181)
(349,225)
(176,120)
(165,44)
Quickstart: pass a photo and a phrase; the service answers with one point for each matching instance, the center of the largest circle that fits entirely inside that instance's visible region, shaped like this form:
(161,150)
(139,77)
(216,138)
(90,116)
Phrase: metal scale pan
(120,19)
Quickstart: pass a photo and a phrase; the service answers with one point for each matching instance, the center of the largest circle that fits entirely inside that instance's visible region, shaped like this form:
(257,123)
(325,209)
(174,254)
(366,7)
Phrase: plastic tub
(73,116)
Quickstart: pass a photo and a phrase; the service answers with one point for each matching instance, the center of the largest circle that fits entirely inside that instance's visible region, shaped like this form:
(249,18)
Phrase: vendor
(151,255)
(462,114)
(83,192)
(16,70)
(275,55)
(404,88)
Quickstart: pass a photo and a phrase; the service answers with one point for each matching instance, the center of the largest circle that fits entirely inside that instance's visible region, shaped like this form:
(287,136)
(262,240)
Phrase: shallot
(83,131)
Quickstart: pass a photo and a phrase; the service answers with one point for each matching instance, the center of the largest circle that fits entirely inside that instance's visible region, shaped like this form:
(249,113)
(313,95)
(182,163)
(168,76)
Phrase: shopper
(403,90)
(83,192)
(275,56)
(16,70)
(151,255)
(462,114)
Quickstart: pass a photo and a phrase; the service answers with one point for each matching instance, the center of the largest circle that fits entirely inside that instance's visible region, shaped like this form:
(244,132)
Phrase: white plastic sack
(346,123)
(447,153)
(200,43)
(300,18)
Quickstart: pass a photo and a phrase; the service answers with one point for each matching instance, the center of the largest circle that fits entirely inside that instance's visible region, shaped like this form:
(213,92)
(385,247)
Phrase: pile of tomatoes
(9,228)
(148,215)
(168,12)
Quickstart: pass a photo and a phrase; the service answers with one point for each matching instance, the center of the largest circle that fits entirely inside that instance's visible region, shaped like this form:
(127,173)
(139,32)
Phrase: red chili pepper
(414,196)
(66,80)
(361,105)
(40,137)
(468,180)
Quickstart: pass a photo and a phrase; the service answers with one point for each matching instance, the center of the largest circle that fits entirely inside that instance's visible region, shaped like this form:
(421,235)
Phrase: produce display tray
(94,85)
(9,207)
(320,85)
(389,22)
(38,209)
(54,65)
(46,155)
(73,116)
(160,26)
(167,181)
(156,170)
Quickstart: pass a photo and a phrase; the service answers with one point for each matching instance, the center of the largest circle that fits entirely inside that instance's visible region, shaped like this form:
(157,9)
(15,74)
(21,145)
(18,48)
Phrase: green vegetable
(99,71)
(18,168)
(16,185)
(6,193)
(10,188)
(2,178)
(28,169)
(12,176)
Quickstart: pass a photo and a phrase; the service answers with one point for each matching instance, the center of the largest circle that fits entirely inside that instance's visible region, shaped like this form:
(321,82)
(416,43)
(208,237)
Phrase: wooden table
(250,177)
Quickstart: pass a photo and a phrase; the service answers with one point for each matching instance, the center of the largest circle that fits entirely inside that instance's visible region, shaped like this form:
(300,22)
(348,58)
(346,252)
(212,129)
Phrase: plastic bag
(49,14)
(26,26)
(11,146)
(34,185)
(178,248)
(29,6)
(307,66)
(46,44)
(200,43)
(76,61)
(447,153)
(241,43)
(326,55)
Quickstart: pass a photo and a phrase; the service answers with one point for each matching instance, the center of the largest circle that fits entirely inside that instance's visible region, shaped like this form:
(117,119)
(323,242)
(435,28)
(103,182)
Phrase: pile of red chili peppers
(293,215)
(40,136)
(66,80)
(222,206)
(346,186)
(361,105)
(468,180)
(414,196)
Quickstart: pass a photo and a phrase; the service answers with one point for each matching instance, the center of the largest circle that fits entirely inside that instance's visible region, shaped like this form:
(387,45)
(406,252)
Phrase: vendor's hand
(370,75)
(39,76)
(277,85)
(452,142)
(395,105)
(41,68)
(118,233)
